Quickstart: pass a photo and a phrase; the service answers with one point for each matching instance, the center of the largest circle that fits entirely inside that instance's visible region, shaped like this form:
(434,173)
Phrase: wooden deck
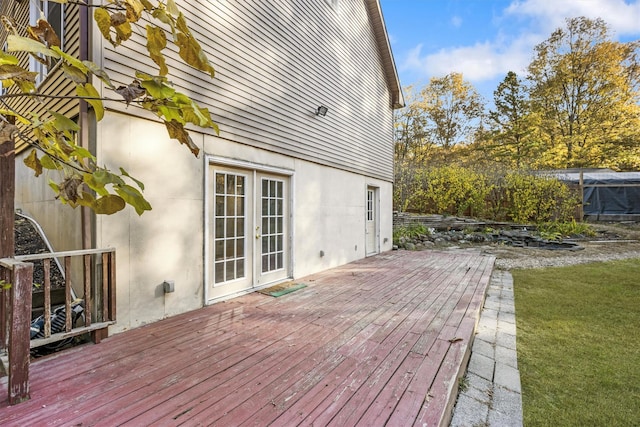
(376,342)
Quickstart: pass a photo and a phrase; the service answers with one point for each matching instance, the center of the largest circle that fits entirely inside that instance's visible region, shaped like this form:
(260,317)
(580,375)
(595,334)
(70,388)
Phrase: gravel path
(559,261)
(509,257)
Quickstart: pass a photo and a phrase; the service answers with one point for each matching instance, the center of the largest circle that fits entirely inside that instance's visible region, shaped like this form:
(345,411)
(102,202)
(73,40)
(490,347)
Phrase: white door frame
(375,191)
(252,169)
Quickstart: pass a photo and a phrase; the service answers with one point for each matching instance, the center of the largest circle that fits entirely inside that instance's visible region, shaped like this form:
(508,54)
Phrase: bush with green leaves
(410,231)
(538,198)
(450,190)
(513,196)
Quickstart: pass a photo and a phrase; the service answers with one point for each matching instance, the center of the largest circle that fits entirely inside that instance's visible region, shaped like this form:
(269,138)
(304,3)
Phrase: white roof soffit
(384,47)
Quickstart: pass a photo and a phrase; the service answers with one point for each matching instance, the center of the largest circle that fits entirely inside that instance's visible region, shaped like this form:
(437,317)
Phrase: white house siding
(168,242)
(276,62)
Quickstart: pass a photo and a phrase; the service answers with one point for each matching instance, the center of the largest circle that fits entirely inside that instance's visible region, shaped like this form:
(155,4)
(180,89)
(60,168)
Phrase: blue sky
(484,39)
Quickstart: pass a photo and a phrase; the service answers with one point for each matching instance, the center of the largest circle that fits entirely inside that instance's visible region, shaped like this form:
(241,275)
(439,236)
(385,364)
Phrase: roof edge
(384,47)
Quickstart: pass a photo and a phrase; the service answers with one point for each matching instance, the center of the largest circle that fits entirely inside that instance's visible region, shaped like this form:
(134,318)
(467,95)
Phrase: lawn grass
(578,339)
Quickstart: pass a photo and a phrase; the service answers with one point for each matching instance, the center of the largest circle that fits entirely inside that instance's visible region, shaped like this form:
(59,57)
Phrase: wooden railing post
(7,205)
(19,339)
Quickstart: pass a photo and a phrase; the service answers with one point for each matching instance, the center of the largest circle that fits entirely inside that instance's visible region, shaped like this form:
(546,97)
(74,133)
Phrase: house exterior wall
(168,242)
(276,62)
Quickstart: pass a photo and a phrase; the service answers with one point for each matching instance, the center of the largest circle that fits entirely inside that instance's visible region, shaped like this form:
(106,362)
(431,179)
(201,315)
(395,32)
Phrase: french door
(248,240)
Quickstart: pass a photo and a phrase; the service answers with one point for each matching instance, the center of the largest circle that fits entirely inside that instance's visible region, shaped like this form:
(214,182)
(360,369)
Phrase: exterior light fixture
(322,111)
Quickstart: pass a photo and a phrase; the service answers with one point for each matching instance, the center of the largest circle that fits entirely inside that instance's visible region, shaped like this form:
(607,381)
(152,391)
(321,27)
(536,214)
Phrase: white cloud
(480,62)
(456,21)
(492,59)
(622,16)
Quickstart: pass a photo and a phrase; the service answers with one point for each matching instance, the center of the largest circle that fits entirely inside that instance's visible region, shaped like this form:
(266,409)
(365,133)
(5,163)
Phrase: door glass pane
(229,227)
(219,205)
(220,183)
(272,209)
(230,249)
(219,227)
(231,270)
(219,272)
(219,250)
(240,248)
(231,184)
(231,205)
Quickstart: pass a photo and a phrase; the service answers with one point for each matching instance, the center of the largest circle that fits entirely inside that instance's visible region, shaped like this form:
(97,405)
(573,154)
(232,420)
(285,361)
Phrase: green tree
(452,108)
(52,135)
(585,89)
(512,123)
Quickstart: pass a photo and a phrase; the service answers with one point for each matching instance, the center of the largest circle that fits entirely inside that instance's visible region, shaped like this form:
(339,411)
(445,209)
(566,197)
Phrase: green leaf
(103,176)
(95,185)
(63,123)
(47,162)
(26,86)
(177,131)
(156,41)
(33,162)
(73,73)
(25,44)
(71,60)
(82,153)
(18,117)
(157,89)
(134,197)
(170,113)
(108,205)
(54,186)
(138,183)
(87,91)
(6,59)
(99,73)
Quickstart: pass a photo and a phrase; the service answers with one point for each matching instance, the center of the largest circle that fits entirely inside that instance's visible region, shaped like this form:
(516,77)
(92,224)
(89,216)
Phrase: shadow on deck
(380,341)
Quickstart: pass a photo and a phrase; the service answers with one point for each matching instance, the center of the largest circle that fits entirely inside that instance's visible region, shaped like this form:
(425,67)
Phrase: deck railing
(98,287)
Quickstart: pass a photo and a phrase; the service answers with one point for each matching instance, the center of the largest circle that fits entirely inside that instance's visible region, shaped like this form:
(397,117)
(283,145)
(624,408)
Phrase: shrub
(450,190)
(410,231)
(515,196)
(536,198)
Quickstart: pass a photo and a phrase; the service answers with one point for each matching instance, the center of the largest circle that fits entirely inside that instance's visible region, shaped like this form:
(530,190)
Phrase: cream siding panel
(276,62)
